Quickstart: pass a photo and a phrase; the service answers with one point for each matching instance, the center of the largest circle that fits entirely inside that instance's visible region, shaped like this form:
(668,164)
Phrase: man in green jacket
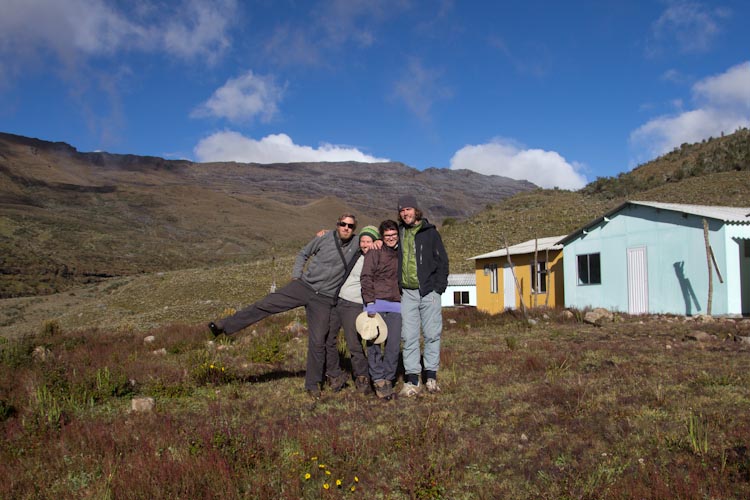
(423,277)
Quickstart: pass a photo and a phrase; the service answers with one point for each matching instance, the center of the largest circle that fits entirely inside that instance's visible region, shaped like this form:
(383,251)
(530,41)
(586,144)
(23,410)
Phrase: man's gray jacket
(326,265)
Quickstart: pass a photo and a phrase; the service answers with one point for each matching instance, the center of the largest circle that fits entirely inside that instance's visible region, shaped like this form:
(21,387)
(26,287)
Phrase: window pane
(456,298)
(595,272)
(464,297)
(583,269)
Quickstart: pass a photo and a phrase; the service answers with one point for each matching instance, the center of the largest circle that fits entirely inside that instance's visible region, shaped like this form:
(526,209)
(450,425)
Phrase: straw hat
(372,328)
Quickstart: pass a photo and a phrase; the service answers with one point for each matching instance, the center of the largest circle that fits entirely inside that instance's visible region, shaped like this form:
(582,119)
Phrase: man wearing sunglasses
(318,273)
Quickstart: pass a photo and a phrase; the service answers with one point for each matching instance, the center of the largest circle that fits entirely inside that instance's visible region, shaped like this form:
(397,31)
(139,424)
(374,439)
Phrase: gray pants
(425,312)
(317,309)
(345,314)
(383,358)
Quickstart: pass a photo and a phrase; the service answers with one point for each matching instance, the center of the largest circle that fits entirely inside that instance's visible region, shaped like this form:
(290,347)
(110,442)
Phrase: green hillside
(714,172)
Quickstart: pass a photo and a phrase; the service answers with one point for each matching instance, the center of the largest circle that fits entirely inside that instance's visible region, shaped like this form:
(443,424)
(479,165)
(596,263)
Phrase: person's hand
(321,232)
(377,244)
(371,315)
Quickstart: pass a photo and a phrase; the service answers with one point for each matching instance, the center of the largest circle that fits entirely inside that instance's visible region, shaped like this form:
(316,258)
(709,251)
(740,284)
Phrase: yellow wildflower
(338,483)
(352,488)
(356,479)
(307,476)
(326,486)
(328,473)
(321,466)
(314,458)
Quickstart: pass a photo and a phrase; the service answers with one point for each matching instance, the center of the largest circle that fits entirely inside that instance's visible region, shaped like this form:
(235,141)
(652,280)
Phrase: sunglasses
(346,224)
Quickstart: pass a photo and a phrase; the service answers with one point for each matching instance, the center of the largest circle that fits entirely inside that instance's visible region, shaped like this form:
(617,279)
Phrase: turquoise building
(650,258)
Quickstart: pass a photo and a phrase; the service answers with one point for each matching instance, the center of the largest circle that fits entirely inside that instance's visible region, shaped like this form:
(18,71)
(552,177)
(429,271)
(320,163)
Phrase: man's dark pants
(345,314)
(295,294)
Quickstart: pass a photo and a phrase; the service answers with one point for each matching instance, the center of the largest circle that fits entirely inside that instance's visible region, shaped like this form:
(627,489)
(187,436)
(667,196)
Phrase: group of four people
(397,271)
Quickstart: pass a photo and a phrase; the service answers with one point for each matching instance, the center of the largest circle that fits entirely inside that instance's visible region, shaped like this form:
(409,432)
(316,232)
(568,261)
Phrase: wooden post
(534,274)
(716,266)
(515,279)
(708,260)
(546,277)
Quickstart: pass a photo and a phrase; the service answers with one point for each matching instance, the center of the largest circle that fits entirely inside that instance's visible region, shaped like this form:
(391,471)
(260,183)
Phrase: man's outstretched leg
(294,294)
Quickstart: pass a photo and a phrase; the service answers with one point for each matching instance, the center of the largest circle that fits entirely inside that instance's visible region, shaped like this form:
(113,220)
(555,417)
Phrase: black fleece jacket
(432,259)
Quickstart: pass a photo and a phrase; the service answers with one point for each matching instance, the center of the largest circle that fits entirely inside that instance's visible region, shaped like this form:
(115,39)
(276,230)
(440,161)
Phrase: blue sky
(558,93)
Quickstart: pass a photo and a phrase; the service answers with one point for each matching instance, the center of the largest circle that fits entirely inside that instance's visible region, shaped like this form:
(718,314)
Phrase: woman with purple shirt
(381,295)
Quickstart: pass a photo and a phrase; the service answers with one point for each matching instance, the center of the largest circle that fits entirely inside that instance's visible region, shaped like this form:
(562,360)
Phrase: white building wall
(446,299)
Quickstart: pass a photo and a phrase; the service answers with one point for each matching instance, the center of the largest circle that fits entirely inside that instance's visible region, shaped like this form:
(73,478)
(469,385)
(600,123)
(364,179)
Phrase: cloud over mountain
(503,157)
(275,148)
(721,105)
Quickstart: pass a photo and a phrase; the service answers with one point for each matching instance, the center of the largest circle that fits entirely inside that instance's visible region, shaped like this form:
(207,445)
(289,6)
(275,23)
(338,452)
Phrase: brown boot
(362,383)
(384,389)
(338,383)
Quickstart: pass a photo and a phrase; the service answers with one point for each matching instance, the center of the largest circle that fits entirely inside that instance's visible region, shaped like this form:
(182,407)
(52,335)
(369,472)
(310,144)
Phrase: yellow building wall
(493,303)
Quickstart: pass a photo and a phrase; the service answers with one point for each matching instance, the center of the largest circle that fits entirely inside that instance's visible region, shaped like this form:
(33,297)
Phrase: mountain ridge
(67,217)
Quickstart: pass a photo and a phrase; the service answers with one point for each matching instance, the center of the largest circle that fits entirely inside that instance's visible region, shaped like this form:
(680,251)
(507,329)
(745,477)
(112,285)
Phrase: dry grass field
(547,408)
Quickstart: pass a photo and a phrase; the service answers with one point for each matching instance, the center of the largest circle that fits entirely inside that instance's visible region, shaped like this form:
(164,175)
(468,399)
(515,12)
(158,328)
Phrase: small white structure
(461,291)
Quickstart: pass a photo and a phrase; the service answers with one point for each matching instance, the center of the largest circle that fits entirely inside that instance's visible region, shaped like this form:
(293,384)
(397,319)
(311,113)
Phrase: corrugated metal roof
(731,215)
(462,279)
(542,244)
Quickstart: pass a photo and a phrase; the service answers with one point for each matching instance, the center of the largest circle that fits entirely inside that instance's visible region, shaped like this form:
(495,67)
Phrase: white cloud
(722,105)
(83,28)
(200,29)
(547,169)
(275,148)
(329,27)
(419,88)
(730,88)
(689,25)
(87,27)
(242,99)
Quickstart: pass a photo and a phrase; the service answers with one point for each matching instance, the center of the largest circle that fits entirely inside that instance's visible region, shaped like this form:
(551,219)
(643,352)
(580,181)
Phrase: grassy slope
(195,294)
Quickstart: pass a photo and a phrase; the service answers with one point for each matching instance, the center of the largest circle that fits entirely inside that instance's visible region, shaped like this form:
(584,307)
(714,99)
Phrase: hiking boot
(383,389)
(313,394)
(216,330)
(432,386)
(338,383)
(362,383)
(410,390)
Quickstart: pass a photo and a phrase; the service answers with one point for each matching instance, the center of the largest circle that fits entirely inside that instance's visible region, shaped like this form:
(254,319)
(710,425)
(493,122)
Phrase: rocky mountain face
(68,216)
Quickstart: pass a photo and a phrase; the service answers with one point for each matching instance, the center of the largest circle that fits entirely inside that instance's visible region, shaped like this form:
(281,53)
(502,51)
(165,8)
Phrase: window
(539,277)
(589,269)
(460,298)
(492,271)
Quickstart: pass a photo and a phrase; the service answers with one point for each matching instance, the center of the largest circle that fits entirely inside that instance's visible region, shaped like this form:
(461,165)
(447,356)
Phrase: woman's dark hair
(387,225)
